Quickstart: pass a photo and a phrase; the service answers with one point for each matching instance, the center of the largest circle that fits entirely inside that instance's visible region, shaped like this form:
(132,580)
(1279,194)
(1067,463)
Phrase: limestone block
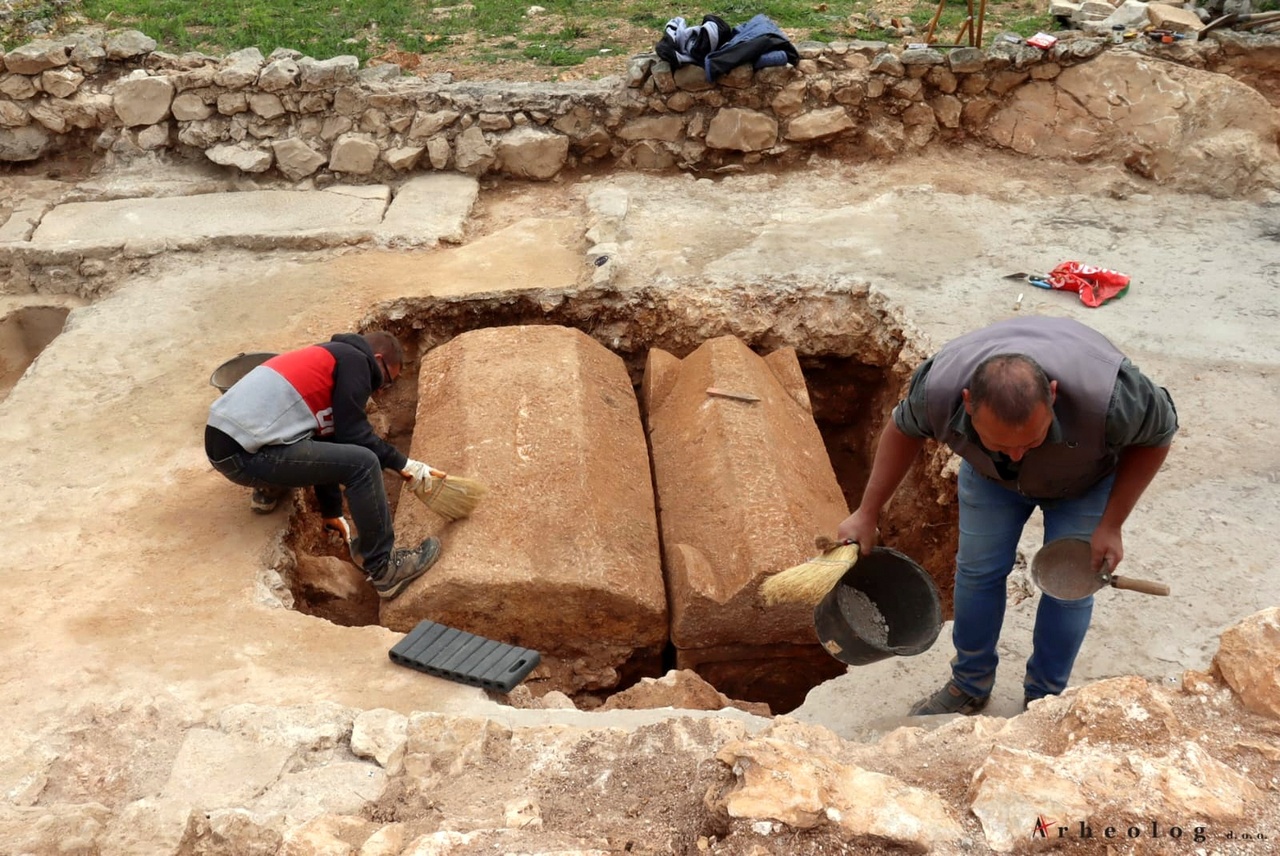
(128,44)
(667,128)
(403,158)
(532,152)
(1096,10)
(790,99)
(205,132)
(744,487)
(189,106)
(888,64)
(911,89)
(438,152)
(266,105)
(742,130)
(50,118)
(472,153)
(148,826)
(1168,122)
(239,69)
(154,137)
(922,56)
(233,103)
(23,144)
(546,417)
(35,57)
(884,137)
(681,688)
(966,60)
(942,79)
(947,109)
(334,127)
(381,735)
(61,82)
(142,100)
(218,770)
(1123,709)
(819,124)
(432,208)
(308,727)
(426,125)
(1014,789)
(12,115)
(1133,14)
(87,53)
(774,780)
(691,78)
(60,828)
(231,830)
(315,75)
(246,158)
(1063,9)
(354,153)
(279,74)
(1175,18)
(19,87)
(1248,659)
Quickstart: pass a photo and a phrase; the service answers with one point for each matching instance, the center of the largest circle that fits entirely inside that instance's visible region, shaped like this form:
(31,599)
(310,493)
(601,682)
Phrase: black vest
(1084,364)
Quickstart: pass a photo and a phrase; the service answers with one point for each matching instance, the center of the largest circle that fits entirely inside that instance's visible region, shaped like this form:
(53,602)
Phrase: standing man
(1045,413)
(298,420)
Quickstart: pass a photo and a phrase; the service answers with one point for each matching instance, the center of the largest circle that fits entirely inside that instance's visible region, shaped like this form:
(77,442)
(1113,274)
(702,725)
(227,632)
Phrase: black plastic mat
(457,655)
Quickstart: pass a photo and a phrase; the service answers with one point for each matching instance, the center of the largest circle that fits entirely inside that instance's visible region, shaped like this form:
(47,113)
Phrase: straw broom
(810,582)
(452,497)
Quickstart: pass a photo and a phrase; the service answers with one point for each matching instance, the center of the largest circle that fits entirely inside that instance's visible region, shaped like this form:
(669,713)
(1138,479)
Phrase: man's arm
(894,455)
(1141,423)
(1138,466)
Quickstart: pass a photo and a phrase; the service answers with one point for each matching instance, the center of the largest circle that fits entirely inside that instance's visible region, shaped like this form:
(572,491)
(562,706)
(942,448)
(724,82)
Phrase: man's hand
(415,473)
(861,528)
(341,526)
(1106,543)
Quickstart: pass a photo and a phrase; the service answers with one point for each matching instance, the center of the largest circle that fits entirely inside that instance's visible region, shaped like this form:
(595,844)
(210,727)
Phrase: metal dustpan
(1063,569)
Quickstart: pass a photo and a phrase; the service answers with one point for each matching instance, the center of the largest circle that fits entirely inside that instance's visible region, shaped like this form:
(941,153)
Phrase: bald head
(1010,387)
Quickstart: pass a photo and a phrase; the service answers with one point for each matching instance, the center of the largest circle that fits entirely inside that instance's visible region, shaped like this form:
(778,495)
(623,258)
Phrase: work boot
(405,567)
(949,699)
(265,499)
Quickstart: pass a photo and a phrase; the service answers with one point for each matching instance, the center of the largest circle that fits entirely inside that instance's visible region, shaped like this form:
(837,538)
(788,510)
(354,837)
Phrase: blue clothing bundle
(718,48)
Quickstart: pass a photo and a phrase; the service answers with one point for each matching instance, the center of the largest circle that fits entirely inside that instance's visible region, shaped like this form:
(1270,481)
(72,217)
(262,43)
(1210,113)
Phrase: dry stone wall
(302,118)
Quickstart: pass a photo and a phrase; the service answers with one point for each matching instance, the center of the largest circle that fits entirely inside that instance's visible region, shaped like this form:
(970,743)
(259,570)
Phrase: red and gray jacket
(319,392)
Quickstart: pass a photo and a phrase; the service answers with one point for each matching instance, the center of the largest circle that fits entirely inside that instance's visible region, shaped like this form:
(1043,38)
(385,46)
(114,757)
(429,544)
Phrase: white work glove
(416,473)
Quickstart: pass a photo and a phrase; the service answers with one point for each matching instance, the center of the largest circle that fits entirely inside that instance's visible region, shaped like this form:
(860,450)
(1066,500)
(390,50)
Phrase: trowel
(1063,569)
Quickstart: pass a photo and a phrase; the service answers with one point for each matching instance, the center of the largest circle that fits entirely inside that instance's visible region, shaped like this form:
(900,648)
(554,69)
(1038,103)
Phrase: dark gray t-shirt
(1141,413)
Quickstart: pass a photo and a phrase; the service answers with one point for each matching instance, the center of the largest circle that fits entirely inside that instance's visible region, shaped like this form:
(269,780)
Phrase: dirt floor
(132,568)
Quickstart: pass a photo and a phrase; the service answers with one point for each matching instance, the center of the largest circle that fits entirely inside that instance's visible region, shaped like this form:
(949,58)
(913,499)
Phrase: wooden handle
(1144,586)
(825,543)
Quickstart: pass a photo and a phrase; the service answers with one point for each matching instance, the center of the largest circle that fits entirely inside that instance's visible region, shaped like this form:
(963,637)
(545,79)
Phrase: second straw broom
(452,497)
(810,582)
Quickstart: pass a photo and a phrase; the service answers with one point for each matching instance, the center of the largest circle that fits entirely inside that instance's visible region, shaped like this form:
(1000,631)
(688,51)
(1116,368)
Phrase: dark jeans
(329,468)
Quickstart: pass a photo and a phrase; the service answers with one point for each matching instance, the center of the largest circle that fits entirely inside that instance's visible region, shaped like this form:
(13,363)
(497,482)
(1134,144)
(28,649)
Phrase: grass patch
(567,33)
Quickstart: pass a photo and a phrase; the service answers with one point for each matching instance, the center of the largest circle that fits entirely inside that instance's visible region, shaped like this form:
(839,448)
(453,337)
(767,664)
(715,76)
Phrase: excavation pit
(24,333)
(578,586)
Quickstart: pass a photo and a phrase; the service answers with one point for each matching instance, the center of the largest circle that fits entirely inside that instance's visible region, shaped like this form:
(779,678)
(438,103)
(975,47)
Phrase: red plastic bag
(1095,285)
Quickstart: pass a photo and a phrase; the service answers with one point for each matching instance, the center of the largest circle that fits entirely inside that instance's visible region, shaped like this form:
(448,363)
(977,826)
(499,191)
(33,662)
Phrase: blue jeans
(991,521)
(329,468)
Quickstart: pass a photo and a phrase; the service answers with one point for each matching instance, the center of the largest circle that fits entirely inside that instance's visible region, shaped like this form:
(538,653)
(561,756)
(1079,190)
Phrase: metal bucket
(225,376)
(901,592)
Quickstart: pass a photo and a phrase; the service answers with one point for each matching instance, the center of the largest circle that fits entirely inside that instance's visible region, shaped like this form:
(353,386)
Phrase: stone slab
(744,487)
(431,208)
(219,215)
(562,555)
